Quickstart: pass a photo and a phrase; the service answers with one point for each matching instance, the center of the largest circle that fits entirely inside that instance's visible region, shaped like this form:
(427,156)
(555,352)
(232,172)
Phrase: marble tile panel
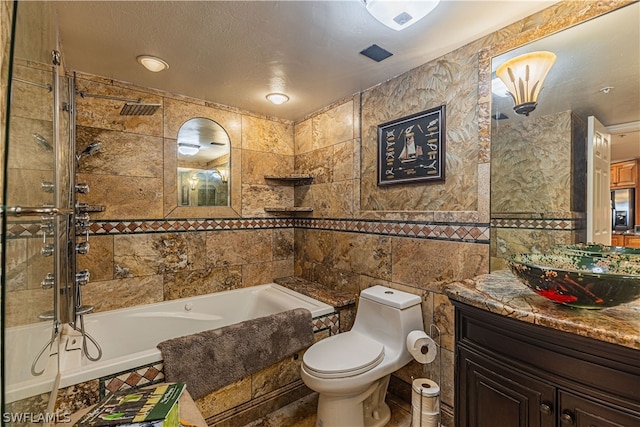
(484,192)
(177,112)
(138,255)
(510,241)
(318,163)
(257,164)
(190,283)
(276,376)
(105,113)
(225,248)
(99,260)
(303,137)
(441,371)
(256,197)
(267,135)
(283,243)
(122,153)
(313,245)
(362,254)
(25,152)
(444,320)
(265,272)
(76,397)
(344,163)
(16,268)
(122,293)
(29,100)
(23,307)
(22,182)
(333,126)
(426,263)
(226,398)
(330,200)
(124,197)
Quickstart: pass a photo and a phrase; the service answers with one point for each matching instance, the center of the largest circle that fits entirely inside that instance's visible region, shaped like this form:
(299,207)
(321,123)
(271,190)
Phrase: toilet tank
(388,315)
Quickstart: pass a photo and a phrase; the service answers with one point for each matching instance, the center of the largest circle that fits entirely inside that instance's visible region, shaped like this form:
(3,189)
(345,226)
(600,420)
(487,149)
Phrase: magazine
(154,406)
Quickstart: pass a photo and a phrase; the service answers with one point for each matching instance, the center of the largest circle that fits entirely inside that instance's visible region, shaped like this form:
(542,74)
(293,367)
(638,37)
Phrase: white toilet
(351,371)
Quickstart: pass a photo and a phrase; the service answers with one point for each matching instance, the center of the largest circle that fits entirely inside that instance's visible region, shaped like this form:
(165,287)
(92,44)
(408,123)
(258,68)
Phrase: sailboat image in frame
(412,149)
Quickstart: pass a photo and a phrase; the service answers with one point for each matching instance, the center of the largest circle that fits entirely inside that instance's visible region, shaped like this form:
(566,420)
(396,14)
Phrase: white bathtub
(128,337)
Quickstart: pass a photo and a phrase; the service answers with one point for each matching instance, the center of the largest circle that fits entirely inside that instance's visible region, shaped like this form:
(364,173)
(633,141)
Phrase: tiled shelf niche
(294,180)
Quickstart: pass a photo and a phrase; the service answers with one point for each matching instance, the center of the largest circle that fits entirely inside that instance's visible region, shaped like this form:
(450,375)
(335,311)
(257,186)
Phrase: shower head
(90,149)
(139,109)
(42,142)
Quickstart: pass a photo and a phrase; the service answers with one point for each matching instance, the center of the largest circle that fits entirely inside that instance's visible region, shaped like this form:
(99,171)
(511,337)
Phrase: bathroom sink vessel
(598,250)
(579,281)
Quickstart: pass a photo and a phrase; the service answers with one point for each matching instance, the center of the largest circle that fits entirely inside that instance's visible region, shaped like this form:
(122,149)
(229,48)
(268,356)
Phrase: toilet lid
(343,355)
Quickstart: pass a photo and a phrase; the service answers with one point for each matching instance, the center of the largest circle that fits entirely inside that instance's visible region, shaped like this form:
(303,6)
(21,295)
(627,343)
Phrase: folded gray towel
(209,360)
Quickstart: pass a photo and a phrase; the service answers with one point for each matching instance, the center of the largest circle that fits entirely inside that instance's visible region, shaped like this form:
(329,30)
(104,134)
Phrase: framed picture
(412,149)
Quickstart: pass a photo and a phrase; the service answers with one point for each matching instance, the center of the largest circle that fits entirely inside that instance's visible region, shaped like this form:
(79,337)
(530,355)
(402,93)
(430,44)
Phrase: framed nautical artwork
(412,149)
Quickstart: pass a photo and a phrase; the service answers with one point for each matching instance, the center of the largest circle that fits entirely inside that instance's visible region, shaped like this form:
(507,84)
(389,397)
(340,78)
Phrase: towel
(212,359)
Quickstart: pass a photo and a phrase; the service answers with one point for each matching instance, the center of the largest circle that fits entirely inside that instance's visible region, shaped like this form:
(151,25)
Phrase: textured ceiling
(235,52)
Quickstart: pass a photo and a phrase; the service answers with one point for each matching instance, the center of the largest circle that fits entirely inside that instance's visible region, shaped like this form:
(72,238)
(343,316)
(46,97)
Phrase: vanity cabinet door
(494,394)
(580,412)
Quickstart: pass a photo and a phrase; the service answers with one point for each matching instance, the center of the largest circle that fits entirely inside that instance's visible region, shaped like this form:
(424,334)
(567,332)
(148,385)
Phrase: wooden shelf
(291,179)
(290,209)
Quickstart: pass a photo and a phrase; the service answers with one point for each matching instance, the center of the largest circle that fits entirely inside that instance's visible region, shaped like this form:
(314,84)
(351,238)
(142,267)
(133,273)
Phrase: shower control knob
(48,281)
(82,277)
(47,186)
(47,250)
(82,248)
(82,207)
(82,188)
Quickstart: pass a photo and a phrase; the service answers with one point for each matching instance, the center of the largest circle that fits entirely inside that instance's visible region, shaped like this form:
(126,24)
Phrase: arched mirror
(204,164)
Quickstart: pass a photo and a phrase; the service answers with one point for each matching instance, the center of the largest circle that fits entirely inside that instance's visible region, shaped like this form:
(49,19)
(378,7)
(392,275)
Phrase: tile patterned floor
(301,413)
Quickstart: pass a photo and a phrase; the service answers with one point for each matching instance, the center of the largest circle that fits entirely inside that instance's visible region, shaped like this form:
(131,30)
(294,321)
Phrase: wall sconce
(523,76)
(399,14)
(193,182)
(222,173)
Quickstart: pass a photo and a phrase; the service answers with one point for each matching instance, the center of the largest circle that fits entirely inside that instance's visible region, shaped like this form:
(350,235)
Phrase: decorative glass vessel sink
(579,281)
(597,250)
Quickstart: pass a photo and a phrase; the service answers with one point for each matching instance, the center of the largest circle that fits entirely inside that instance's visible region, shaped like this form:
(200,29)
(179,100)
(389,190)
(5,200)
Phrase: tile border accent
(453,231)
(563,224)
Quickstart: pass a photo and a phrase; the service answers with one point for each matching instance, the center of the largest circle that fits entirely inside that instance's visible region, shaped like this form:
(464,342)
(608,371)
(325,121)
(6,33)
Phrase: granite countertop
(335,298)
(502,293)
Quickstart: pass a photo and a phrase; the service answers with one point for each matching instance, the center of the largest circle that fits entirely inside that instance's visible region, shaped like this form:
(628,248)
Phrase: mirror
(203,148)
(538,162)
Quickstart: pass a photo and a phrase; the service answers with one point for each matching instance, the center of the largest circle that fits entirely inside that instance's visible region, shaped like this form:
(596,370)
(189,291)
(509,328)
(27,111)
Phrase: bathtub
(128,337)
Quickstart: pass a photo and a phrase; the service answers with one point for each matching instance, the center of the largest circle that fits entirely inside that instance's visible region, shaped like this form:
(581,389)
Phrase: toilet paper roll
(421,346)
(425,403)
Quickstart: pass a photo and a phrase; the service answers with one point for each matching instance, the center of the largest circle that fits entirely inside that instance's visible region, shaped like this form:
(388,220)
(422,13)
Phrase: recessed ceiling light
(277,98)
(152,63)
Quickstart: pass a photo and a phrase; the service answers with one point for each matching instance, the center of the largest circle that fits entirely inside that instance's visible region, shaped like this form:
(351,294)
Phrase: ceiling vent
(376,53)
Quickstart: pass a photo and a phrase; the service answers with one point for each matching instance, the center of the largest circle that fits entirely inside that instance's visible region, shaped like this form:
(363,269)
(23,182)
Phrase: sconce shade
(399,14)
(524,76)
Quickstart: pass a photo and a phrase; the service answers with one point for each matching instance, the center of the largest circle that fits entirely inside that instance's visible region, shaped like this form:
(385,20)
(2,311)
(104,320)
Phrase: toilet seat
(343,355)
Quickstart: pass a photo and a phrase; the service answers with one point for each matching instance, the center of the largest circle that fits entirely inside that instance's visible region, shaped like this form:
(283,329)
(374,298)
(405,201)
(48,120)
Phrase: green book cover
(152,406)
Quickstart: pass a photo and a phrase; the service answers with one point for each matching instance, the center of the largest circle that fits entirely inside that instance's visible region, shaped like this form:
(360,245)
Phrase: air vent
(376,53)
(499,116)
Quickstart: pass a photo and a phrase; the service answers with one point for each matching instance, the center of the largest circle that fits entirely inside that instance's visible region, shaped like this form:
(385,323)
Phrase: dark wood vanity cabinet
(510,373)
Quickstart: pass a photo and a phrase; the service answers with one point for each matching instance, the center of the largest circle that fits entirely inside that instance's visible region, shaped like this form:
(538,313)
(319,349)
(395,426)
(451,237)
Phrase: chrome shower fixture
(90,150)
(42,142)
(139,109)
(133,107)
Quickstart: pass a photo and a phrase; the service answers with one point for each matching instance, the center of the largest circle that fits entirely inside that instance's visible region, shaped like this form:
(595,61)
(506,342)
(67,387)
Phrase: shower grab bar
(20,211)
(42,85)
(84,94)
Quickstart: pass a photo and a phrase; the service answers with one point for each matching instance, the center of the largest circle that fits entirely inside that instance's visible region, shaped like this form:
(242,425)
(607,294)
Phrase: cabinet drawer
(581,412)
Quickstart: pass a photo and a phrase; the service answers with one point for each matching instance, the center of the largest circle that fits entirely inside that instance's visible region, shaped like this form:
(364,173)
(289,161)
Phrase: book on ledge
(154,406)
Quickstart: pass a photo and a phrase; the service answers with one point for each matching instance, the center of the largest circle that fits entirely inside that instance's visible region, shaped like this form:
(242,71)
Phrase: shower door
(36,215)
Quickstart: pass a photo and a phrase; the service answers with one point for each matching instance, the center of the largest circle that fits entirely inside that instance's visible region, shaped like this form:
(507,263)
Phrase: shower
(132,107)
(90,150)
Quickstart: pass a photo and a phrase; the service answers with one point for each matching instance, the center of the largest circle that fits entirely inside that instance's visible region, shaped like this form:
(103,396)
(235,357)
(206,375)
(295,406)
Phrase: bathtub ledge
(338,299)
